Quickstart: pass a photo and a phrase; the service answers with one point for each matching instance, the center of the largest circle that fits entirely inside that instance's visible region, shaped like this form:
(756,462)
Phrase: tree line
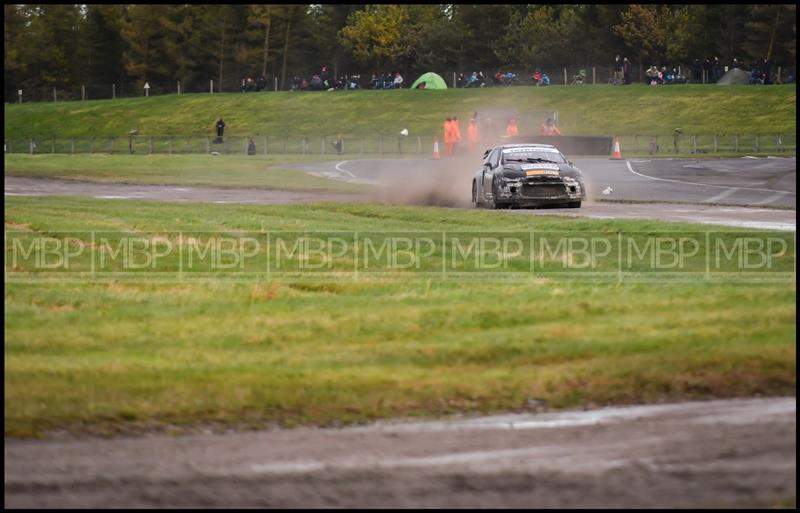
(64,46)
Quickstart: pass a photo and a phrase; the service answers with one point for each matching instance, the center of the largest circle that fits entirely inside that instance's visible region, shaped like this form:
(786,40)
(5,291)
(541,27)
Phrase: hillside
(587,110)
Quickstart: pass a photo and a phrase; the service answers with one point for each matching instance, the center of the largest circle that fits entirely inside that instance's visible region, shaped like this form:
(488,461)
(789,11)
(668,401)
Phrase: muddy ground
(734,453)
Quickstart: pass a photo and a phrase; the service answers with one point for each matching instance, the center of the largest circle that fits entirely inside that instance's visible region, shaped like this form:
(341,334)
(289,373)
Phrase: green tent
(431,81)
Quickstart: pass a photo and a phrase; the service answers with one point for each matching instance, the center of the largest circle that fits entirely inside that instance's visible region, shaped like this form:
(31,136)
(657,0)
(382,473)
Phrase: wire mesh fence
(720,144)
(555,76)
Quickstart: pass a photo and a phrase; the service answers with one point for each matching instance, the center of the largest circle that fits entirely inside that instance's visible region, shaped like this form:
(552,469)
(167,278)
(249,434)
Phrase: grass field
(265,172)
(121,355)
(598,110)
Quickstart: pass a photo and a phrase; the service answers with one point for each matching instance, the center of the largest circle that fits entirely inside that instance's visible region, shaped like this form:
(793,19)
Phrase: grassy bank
(117,355)
(598,110)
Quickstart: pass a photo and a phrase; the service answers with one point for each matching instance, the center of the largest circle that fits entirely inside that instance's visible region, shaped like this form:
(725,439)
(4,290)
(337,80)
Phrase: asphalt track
(744,192)
(732,453)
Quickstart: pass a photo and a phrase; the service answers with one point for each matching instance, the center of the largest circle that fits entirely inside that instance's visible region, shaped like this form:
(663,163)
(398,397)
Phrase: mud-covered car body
(527,175)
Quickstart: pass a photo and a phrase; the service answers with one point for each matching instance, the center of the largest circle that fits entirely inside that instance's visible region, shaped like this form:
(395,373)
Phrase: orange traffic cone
(616,154)
(436,148)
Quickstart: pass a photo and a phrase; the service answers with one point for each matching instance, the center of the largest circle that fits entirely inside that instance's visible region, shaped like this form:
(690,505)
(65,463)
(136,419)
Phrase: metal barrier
(379,144)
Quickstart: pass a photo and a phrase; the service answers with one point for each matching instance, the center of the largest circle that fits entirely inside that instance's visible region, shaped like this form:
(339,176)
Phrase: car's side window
(494,158)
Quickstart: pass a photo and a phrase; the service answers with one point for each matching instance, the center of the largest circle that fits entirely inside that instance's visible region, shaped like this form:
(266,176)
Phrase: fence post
(779,74)
(72,146)
(755,143)
(113,91)
(245,144)
(565,76)
(53,145)
(380,145)
(635,143)
(169,145)
(208,144)
(323,145)
(55,99)
(30,146)
(715,143)
(91,145)
(594,70)
(736,142)
(179,87)
(694,142)
(211,90)
(149,144)
(266,144)
(454,80)
(778,143)
(276,83)
(19,92)
(83,93)
(419,145)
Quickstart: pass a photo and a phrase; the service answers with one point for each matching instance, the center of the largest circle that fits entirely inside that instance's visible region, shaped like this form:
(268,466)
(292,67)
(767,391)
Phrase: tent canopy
(735,76)
(431,80)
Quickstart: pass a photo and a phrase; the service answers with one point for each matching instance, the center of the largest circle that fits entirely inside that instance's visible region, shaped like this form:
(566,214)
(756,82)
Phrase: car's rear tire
(474,194)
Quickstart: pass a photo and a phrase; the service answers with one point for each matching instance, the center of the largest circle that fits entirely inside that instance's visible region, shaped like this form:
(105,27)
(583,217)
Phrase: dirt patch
(736,453)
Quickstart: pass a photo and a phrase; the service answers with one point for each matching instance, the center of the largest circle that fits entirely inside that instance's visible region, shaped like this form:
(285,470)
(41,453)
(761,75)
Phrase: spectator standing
(549,128)
(716,70)
(456,133)
(617,67)
(764,68)
(697,72)
(626,71)
(338,144)
(220,129)
(251,146)
(511,128)
(472,130)
(449,136)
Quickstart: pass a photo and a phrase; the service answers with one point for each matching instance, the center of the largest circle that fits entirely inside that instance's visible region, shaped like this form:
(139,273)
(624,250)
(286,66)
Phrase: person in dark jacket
(220,129)
(626,71)
(764,68)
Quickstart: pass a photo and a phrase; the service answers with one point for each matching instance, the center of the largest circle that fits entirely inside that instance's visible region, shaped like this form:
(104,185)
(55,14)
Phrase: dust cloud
(442,183)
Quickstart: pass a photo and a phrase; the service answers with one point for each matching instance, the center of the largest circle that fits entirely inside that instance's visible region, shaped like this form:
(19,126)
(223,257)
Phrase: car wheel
(474,194)
(492,203)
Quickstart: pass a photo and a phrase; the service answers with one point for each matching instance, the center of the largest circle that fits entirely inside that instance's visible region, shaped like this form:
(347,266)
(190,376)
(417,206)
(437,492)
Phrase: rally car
(527,175)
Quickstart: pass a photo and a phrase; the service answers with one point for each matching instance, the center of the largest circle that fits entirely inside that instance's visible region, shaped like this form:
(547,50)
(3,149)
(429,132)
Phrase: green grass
(264,172)
(597,110)
(112,356)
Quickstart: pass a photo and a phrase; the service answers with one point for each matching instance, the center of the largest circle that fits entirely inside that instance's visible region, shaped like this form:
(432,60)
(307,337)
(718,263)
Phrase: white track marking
(344,170)
(772,198)
(21,194)
(721,195)
(701,184)
(113,197)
